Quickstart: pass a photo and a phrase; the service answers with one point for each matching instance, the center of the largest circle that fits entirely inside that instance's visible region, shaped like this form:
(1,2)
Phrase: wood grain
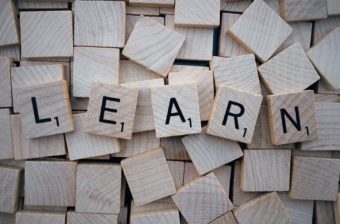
(131,21)
(9,29)
(6,147)
(152,3)
(177,172)
(165,216)
(188,68)
(228,218)
(235,6)
(303,10)
(133,72)
(33,217)
(174,148)
(223,175)
(91,218)
(159,205)
(24,4)
(147,11)
(190,173)
(323,26)
(9,189)
(5,82)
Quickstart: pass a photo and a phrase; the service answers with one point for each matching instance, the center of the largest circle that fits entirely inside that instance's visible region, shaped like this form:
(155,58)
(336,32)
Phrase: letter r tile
(234,114)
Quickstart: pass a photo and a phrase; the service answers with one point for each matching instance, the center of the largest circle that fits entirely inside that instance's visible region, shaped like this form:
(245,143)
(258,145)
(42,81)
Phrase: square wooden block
(197,13)
(111,110)
(99,23)
(6,147)
(131,21)
(53,29)
(94,65)
(45,109)
(174,148)
(152,3)
(315,178)
(33,217)
(98,188)
(91,218)
(176,110)
(163,216)
(50,183)
(148,177)
(303,10)
(9,189)
(81,144)
(142,49)
(234,114)
(265,170)
(210,152)
(201,204)
(5,82)
(9,28)
(260,30)
(292,117)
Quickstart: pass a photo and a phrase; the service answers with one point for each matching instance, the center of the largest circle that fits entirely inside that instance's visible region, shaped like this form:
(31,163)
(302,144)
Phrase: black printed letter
(227,113)
(104,108)
(173,102)
(36,113)
(296,124)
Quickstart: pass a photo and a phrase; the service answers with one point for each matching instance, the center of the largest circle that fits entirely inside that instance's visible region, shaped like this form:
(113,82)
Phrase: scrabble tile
(292,10)
(265,170)
(323,26)
(33,217)
(50,183)
(289,71)
(324,212)
(54,31)
(133,72)
(177,172)
(9,189)
(152,3)
(264,23)
(205,87)
(237,72)
(11,52)
(190,173)
(226,218)
(174,148)
(274,4)
(8,30)
(81,145)
(86,64)
(162,204)
(210,152)
(5,82)
(131,21)
(111,110)
(326,98)
(188,68)
(6,148)
(91,218)
(292,117)
(333,7)
(318,154)
(199,204)
(138,10)
(324,57)
(198,44)
(107,23)
(176,110)
(197,13)
(146,183)
(243,107)
(45,109)
(223,175)
(98,188)
(170,216)
(24,5)
(264,209)
(25,148)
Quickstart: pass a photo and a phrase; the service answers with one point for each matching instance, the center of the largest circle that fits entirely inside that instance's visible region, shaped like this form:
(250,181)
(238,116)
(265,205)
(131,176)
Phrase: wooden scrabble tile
(82,145)
(5,82)
(235,6)
(145,34)
(98,188)
(223,175)
(265,170)
(176,110)
(198,44)
(164,216)
(177,172)
(86,64)
(323,26)
(50,183)
(324,212)
(197,13)
(239,72)
(6,147)
(11,52)
(111,110)
(188,68)
(146,183)
(333,7)
(199,204)
(107,23)
(268,31)
(315,178)
(274,4)
(9,29)
(147,11)
(174,148)
(25,148)
(292,117)
(91,218)
(289,71)
(24,5)
(133,72)
(33,217)
(319,154)
(9,189)
(209,152)
(54,31)
(205,87)
(131,21)
(159,205)
(152,3)
(264,209)
(226,218)
(242,109)
(292,10)
(327,98)
(190,173)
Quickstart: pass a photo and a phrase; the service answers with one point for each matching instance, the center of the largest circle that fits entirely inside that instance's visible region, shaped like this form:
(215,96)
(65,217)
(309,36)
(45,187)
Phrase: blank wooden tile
(133,72)
(139,10)
(210,152)
(188,68)
(174,148)
(164,216)
(176,110)
(324,212)
(131,21)
(158,57)
(199,204)
(318,154)
(292,10)
(99,23)
(264,209)
(323,26)
(327,98)
(82,145)
(333,7)
(237,72)
(177,172)
(227,218)
(104,99)
(50,183)
(223,175)
(148,177)
(54,31)
(98,188)
(8,30)
(91,218)
(9,189)
(94,65)
(265,170)
(292,117)
(152,3)
(205,88)
(274,4)
(260,30)
(33,217)
(234,114)
(6,147)
(5,82)
(159,205)
(197,13)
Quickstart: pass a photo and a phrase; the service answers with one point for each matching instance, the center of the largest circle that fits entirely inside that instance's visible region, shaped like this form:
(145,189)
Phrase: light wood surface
(138,10)
(131,21)
(165,216)
(6,147)
(9,33)
(188,68)
(227,218)
(152,3)
(91,218)
(235,6)
(23,5)
(190,173)
(34,217)
(177,172)
(159,205)
(133,72)
(174,148)
(323,26)
(9,189)
(303,10)
(5,82)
